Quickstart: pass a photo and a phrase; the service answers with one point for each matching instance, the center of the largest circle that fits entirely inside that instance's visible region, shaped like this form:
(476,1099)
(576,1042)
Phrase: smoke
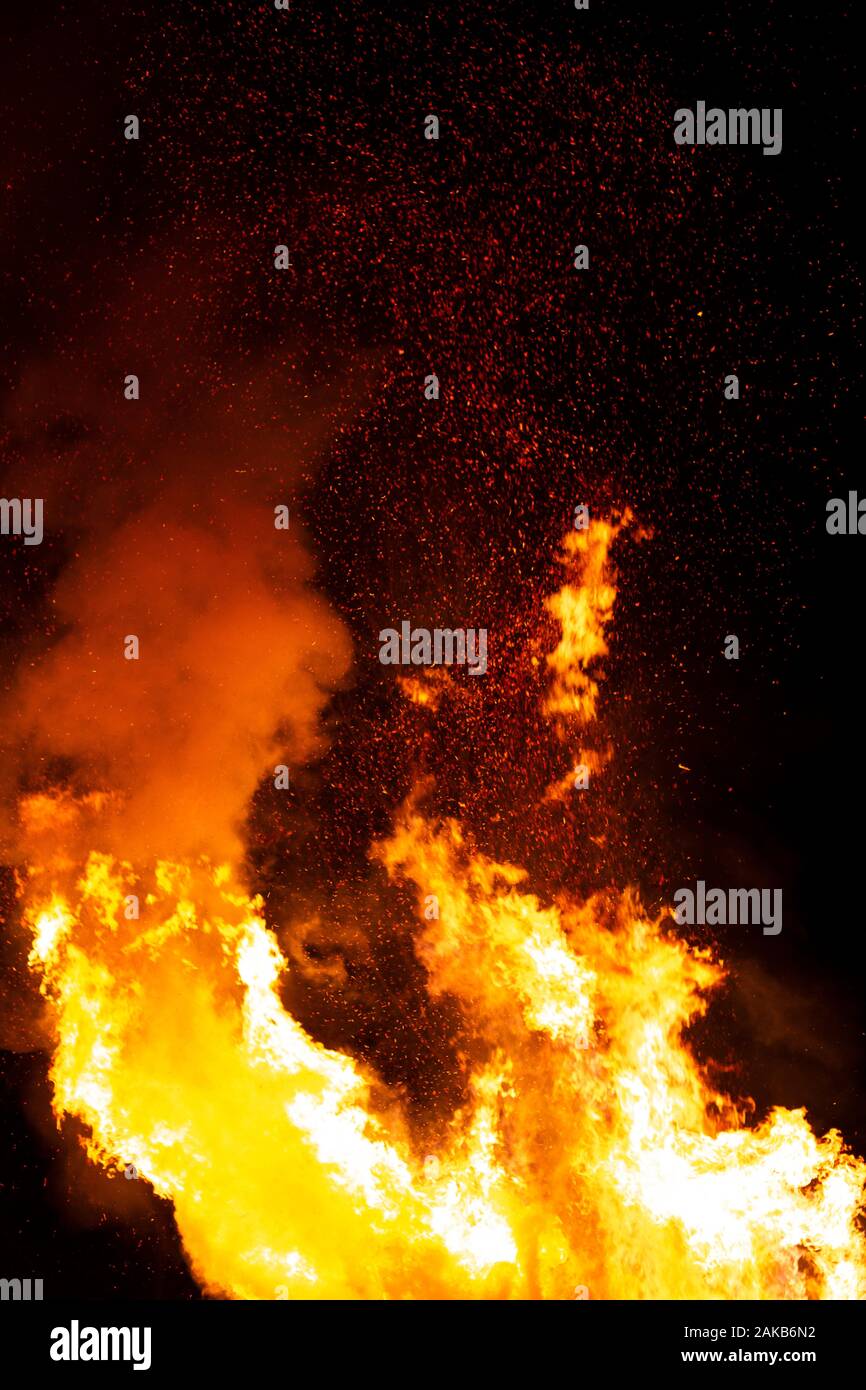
(232,645)
(163,512)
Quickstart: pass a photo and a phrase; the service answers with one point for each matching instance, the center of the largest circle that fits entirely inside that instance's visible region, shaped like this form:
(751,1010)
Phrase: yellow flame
(175,1051)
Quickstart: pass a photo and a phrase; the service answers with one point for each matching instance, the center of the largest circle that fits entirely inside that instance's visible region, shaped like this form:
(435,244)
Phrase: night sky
(411,256)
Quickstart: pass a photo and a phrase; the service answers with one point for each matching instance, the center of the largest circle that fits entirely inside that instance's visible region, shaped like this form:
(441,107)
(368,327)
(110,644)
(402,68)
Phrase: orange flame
(583,607)
(592,1150)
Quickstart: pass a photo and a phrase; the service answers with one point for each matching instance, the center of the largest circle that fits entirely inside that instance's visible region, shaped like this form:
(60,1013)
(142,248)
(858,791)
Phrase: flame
(591,1151)
(175,1052)
(426,688)
(583,607)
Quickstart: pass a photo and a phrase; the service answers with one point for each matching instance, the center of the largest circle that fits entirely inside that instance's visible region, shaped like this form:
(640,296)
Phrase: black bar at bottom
(169,1339)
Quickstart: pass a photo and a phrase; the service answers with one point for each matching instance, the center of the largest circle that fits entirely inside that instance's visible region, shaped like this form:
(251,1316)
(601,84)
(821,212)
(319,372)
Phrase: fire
(583,607)
(425,688)
(285,1171)
(592,1149)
